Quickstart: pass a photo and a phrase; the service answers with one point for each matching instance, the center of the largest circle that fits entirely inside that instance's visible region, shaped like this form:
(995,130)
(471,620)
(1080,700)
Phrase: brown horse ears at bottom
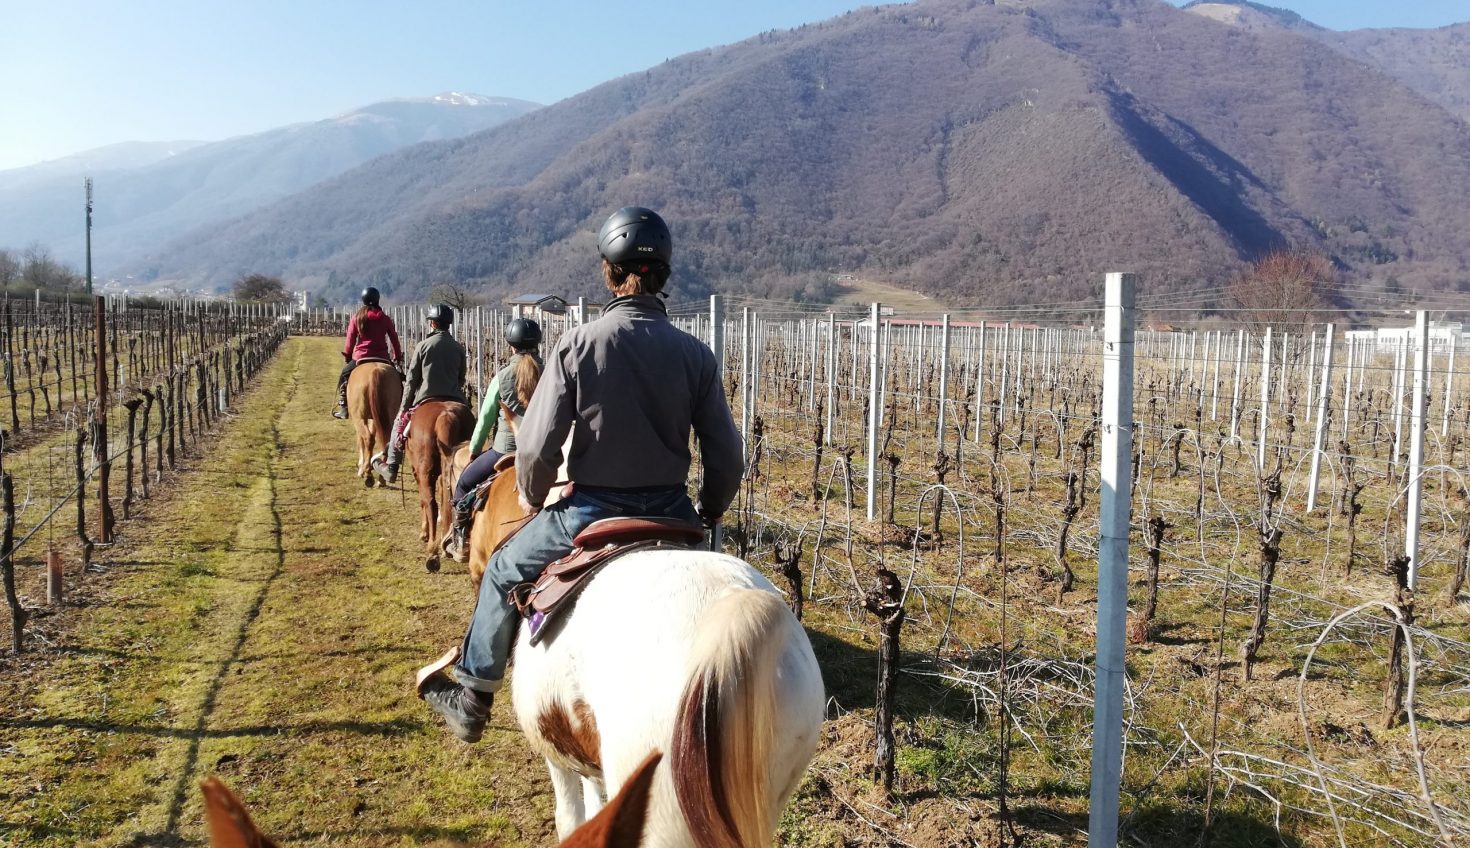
(229,824)
(619,825)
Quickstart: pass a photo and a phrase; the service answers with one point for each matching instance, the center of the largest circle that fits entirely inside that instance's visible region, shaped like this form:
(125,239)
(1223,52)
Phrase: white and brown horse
(689,652)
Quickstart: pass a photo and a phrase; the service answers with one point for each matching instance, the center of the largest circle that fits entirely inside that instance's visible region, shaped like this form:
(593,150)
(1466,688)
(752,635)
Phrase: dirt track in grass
(260,622)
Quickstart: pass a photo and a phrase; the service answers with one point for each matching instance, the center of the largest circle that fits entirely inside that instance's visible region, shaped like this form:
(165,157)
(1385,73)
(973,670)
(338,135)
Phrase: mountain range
(1433,62)
(983,152)
(147,193)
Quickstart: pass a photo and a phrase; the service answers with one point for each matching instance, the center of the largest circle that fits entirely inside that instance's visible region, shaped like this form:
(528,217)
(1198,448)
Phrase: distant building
(535,305)
(1441,334)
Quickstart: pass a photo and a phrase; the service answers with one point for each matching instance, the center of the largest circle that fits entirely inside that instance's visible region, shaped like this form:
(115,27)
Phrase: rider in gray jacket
(435,370)
(628,388)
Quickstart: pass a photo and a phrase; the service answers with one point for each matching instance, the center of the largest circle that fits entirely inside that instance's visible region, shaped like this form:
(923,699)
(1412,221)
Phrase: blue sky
(76,75)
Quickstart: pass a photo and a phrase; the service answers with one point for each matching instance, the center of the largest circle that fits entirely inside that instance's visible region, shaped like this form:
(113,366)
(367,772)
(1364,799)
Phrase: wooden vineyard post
(1112,578)
(81,496)
(18,613)
(131,405)
(885,601)
(99,446)
(10,369)
(55,578)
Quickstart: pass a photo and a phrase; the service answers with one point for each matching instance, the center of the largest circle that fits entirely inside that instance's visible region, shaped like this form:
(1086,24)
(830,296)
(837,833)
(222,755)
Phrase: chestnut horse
(436,428)
(373,393)
(619,825)
(501,513)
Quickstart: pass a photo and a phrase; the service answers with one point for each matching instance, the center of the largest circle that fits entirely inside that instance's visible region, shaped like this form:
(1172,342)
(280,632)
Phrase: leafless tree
(1285,290)
(260,288)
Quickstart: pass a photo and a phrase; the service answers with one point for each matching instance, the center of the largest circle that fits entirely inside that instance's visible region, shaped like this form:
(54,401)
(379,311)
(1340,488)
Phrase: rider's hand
(526,507)
(346,357)
(709,521)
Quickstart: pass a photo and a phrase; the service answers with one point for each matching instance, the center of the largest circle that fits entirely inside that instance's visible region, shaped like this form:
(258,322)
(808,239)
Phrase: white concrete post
(1005,364)
(943,373)
(1449,386)
(1265,400)
(1215,389)
(1399,366)
(1416,445)
(1235,391)
(980,385)
(874,404)
(831,372)
(1321,429)
(1112,581)
(717,336)
(745,372)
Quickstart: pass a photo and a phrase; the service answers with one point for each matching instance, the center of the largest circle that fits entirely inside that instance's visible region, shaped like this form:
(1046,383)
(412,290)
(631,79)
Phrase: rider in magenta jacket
(369,334)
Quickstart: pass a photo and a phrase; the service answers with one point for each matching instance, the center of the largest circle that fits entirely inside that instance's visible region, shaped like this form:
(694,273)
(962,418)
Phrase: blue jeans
(477,472)
(544,539)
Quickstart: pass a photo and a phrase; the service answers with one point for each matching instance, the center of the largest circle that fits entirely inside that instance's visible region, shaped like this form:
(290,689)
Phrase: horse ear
(229,824)
(620,824)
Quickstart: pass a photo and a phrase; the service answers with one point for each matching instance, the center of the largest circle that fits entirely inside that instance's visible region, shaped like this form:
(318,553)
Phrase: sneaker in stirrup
(464,711)
(386,468)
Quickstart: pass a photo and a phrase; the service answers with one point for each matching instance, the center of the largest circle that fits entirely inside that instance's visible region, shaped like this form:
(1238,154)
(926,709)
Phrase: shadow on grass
(395,727)
(1164,824)
(850,673)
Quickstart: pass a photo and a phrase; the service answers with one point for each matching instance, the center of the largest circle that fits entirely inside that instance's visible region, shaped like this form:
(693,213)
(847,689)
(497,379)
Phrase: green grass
(262,623)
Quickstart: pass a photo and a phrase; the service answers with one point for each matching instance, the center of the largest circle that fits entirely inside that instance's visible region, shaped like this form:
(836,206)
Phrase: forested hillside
(984,153)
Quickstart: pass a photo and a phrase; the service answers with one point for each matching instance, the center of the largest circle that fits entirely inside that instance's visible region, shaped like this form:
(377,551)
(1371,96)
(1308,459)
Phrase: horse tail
(726,723)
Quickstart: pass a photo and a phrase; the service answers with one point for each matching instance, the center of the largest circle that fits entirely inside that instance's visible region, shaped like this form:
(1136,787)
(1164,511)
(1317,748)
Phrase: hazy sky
(76,75)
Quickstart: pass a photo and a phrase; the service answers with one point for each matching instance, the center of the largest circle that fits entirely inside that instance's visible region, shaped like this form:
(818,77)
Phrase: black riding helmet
(523,334)
(370,296)
(634,235)
(441,312)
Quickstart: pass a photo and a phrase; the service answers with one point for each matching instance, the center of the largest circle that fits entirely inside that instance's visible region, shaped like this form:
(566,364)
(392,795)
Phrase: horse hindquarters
(747,726)
(619,668)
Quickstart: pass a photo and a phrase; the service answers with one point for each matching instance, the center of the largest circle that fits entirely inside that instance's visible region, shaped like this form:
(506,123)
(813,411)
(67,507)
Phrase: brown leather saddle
(543,599)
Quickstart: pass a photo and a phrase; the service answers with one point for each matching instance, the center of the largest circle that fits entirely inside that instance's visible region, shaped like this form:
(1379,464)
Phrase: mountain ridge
(1053,140)
(141,205)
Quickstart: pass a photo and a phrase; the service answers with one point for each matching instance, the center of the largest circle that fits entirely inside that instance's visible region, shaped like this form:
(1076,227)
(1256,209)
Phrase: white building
(1441,335)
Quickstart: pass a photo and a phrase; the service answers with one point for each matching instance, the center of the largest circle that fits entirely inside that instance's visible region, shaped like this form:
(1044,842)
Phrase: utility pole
(88,183)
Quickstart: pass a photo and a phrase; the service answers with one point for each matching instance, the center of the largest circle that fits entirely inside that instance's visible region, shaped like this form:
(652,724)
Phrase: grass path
(262,622)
